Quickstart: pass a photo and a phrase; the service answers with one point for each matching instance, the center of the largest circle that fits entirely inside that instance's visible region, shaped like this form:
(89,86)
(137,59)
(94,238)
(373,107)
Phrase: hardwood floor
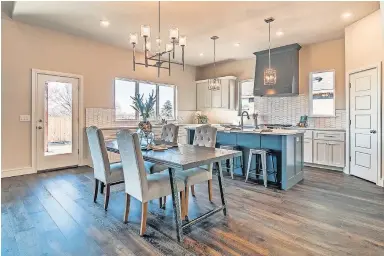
(329,213)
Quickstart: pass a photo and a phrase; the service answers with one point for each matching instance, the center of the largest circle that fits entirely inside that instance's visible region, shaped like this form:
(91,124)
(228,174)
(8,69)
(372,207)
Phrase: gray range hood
(285,60)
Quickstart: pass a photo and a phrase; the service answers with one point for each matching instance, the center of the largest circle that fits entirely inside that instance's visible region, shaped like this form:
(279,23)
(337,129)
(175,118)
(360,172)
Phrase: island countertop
(279,132)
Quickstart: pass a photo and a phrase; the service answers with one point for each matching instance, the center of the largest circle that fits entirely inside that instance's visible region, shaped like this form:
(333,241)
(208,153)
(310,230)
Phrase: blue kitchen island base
(288,149)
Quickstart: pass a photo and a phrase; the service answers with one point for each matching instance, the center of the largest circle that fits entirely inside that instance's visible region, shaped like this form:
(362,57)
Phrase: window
(322,93)
(125,89)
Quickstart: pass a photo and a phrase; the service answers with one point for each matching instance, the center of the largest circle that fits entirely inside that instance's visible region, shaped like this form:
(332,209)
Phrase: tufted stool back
(205,136)
(169,133)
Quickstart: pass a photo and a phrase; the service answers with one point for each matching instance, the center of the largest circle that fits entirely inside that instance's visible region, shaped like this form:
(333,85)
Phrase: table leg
(176,204)
(221,185)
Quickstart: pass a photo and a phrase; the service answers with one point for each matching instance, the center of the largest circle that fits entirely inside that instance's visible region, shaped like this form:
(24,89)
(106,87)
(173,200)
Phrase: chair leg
(182,205)
(96,190)
(127,204)
(164,202)
(231,166)
(102,185)
(143,227)
(186,202)
(193,190)
(106,200)
(264,166)
(210,190)
(249,166)
(161,202)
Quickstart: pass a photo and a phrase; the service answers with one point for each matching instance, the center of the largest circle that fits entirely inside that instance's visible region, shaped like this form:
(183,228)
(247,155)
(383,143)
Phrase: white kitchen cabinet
(320,152)
(308,150)
(329,148)
(336,153)
(225,98)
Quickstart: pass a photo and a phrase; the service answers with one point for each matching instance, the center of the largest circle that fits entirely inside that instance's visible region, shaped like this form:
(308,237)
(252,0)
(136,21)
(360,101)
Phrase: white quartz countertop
(280,132)
(316,129)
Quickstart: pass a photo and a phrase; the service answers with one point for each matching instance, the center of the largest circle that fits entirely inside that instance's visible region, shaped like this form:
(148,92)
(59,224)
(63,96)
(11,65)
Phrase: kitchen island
(286,145)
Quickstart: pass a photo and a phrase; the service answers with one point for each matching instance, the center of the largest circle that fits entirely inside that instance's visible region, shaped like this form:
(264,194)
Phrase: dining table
(182,157)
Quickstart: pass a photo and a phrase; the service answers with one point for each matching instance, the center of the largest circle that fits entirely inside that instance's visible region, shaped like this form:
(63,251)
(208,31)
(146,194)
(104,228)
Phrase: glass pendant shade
(183,41)
(148,46)
(145,31)
(133,38)
(168,47)
(214,84)
(173,33)
(269,76)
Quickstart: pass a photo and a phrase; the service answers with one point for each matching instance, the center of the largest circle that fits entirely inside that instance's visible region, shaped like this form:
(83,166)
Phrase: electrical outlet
(25,118)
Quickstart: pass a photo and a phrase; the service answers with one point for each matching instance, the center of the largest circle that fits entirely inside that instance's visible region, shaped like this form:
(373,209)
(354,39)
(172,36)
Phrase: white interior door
(57,125)
(364,123)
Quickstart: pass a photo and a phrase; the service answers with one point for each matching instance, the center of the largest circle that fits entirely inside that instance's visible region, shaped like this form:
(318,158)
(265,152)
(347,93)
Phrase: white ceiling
(243,22)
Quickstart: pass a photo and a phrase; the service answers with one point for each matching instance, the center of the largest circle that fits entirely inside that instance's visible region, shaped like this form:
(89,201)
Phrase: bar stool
(232,166)
(262,153)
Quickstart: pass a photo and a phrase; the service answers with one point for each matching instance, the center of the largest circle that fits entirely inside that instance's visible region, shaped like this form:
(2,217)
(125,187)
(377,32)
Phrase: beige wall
(25,47)
(364,47)
(314,57)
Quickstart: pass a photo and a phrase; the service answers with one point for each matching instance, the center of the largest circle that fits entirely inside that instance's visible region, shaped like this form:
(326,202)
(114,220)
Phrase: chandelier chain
(269,44)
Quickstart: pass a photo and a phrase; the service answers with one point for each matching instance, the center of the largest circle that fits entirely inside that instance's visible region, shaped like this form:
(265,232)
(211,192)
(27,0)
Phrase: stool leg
(249,165)
(264,166)
(231,163)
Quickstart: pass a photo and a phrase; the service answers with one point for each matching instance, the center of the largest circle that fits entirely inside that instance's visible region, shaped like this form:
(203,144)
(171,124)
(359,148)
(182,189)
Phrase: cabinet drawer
(308,134)
(324,135)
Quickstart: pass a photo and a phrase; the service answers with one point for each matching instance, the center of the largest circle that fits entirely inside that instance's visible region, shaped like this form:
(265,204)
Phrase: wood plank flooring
(328,213)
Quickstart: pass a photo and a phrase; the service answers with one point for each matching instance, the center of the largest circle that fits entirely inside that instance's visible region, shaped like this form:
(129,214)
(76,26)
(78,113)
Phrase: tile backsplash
(105,117)
(287,110)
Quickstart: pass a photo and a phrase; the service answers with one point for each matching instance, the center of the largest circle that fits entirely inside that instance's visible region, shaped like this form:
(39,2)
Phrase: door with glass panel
(57,125)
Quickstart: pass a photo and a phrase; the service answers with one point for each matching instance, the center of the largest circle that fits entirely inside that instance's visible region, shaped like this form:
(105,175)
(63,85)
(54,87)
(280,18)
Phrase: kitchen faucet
(242,116)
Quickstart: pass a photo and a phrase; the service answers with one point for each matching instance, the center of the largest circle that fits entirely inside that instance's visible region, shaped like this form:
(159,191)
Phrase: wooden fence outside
(59,129)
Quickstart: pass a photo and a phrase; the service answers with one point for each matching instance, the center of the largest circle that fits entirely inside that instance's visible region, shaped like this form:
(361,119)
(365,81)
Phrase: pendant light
(269,73)
(215,83)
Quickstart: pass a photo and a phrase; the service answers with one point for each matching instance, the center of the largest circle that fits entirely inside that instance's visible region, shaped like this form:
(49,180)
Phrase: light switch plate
(25,118)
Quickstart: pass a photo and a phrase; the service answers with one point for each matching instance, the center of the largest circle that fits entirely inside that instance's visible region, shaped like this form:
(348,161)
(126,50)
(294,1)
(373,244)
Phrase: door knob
(373,131)
(39,127)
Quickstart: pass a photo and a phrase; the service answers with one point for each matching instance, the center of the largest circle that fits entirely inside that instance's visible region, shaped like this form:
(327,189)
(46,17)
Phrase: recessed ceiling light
(104,23)
(201,54)
(346,15)
(237,44)
(279,33)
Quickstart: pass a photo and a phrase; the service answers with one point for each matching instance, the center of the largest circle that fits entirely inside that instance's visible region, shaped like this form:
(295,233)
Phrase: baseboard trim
(17,172)
(333,168)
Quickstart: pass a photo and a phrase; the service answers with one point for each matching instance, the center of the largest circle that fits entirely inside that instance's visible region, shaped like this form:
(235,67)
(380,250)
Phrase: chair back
(205,136)
(170,133)
(101,167)
(135,177)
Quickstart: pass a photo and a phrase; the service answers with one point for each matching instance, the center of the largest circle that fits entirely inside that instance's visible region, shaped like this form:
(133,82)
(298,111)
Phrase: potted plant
(201,118)
(145,109)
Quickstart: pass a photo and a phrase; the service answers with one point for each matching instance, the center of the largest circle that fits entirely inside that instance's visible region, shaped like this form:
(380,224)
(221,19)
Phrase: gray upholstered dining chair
(169,133)
(138,184)
(205,136)
(104,172)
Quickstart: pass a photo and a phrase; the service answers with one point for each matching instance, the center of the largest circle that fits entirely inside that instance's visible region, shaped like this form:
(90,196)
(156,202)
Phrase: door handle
(373,131)
(39,127)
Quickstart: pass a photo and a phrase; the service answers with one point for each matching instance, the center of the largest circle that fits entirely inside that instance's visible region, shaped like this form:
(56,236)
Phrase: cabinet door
(336,153)
(320,152)
(207,96)
(308,151)
(225,94)
(200,96)
(232,94)
(216,98)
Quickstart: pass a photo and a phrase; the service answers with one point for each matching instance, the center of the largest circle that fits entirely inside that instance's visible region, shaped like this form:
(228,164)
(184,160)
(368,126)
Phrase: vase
(145,133)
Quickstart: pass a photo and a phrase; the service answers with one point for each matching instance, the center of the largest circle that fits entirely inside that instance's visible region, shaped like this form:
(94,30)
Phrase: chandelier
(157,59)
(215,83)
(269,73)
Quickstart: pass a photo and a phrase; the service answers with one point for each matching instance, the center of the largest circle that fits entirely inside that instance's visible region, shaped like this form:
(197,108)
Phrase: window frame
(137,87)
(310,94)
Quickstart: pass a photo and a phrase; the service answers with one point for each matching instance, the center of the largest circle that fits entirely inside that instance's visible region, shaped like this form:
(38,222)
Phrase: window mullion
(157,101)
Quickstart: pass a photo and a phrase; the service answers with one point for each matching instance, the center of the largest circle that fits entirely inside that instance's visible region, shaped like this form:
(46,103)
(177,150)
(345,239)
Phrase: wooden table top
(184,156)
